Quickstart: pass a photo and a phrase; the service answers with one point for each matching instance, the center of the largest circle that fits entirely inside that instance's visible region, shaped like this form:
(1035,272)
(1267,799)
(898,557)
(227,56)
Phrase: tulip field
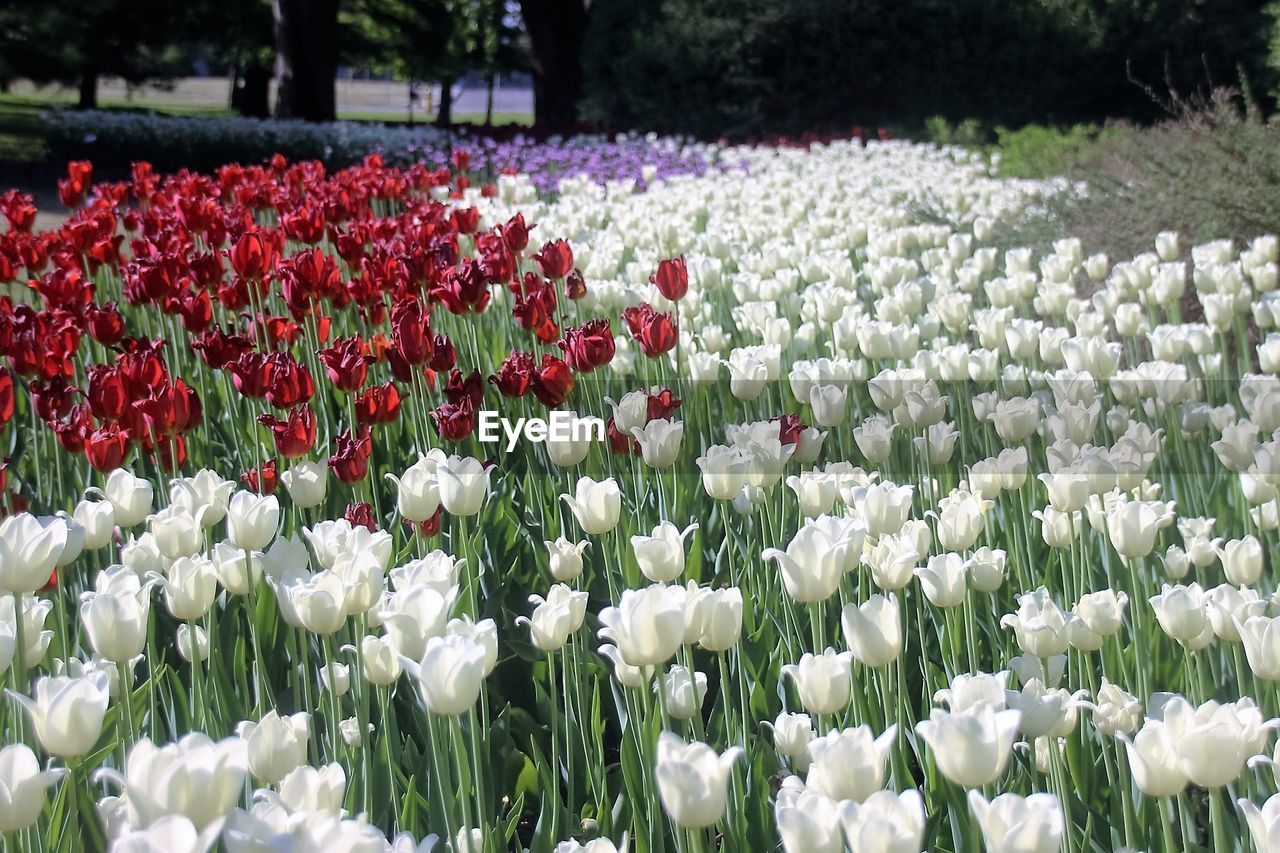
(783,503)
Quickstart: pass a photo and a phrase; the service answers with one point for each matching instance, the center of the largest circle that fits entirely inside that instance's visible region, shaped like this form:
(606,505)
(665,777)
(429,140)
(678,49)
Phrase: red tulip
(293,437)
(253,255)
(361,515)
(455,421)
(6,396)
(575,286)
(470,389)
(589,346)
(443,355)
(251,374)
(655,332)
(347,363)
(52,398)
(411,331)
(463,288)
(106,392)
(106,447)
(170,454)
(218,349)
(662,405)
(619,442)
(430,527)
(20,209)
(378,405)
(72,433)
(552,382)
(290,383)
(555,259)
(263,478)
(173,409)
(515,376)
(535,308)
(350,459)
(72,188)
(672,278)
(789,428)
(105,324)
(515,233)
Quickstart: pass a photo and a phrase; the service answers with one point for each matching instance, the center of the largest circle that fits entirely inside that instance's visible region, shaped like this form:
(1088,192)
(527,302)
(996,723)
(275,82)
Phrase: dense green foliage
(747,66)
(1209,169)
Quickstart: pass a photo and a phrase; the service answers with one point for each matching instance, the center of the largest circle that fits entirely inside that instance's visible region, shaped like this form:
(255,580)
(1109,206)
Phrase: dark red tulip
(290,383)
(411,331)
(72,188)
(6,396)
(350,459)
(53,398)
(789,428)
(105,324)
(662,405)
(347,363)
(263,478)
(106,392)
(454,421)
(443,355)
(655,332)
(555,259)
(535,308)
(672,278)
(378,405)
(295,436)
(515,233)
(552,382)
(251,374)
(106,447)
(589,346)
(218,348)
(253,255)
(515,376)
(361,515)
(619,442)
(575,286)
(470,388)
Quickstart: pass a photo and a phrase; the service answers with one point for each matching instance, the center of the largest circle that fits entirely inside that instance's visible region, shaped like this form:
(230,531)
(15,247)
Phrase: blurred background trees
(708,67)
(747,66)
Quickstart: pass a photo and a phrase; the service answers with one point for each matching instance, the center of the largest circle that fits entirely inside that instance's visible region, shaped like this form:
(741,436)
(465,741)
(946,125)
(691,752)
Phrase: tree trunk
(444,118)
(307,55)
(556,29)
(251,96)
(255,90)
(88,91)
(488,101)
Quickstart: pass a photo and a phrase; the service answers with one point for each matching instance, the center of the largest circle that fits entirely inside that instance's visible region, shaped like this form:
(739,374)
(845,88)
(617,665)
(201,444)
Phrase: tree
(555,29)
(307,47)
(75,44)
(437,40)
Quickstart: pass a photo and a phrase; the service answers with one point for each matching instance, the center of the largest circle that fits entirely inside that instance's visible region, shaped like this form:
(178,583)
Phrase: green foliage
(1040,151)
(747,66)
(1210,171)
(969,132)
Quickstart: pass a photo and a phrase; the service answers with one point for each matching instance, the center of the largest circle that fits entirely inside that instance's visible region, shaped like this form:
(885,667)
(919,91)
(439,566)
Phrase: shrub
(115,139)
(1039,151)
(1210,171)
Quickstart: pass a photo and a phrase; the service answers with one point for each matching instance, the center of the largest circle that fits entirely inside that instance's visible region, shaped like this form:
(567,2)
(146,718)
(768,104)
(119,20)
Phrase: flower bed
(807,522)
(117,139)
